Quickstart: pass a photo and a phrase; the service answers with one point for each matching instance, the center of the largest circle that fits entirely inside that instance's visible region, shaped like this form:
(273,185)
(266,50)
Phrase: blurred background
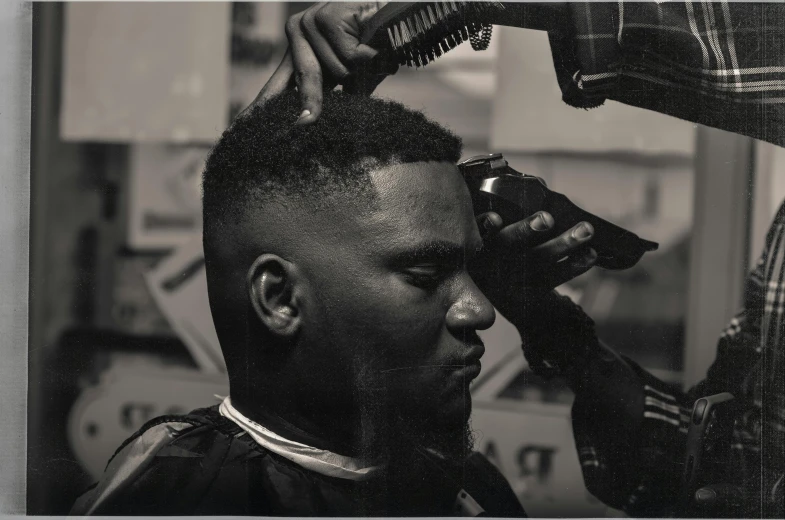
(127,100)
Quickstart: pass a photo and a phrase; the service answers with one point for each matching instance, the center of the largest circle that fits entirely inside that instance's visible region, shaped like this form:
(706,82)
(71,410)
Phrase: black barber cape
(205,464)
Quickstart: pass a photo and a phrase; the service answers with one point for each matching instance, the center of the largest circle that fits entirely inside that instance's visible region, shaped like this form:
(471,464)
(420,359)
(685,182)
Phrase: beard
(425,467)
(423,454)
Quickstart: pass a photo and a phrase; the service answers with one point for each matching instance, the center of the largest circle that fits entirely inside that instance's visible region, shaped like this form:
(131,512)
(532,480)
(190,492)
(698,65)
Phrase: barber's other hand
(325,50)
(523,261)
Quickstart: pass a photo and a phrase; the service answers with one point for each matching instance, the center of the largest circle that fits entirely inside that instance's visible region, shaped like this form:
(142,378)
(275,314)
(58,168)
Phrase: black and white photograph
(393,259)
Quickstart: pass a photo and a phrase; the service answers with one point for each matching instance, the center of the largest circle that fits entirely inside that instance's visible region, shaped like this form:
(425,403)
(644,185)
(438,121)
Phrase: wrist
(556,334)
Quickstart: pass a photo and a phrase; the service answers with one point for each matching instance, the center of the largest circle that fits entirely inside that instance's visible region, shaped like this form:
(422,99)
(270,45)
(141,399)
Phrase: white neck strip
(314,459)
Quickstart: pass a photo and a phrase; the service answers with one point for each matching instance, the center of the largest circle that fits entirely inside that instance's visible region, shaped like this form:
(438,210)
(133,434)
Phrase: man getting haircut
(337,258)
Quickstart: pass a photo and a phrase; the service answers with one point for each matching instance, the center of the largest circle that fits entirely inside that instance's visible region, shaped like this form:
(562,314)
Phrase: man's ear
(272,290)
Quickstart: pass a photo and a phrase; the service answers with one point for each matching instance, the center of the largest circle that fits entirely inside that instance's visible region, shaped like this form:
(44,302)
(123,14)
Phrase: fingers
(282,78)
(322,48)
(526,233)
(566,255)
(324,42)
(565,243)
(343,33)
(307,71)
(489,224)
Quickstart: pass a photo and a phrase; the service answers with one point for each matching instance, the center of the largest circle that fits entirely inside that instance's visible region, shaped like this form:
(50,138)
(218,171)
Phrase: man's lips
(475,352)
(470,371)
(469,367)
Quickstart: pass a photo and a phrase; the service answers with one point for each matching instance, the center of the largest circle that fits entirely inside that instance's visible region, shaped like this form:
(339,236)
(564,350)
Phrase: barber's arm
(630,459)
(720,64)
(627,425)
(630,428)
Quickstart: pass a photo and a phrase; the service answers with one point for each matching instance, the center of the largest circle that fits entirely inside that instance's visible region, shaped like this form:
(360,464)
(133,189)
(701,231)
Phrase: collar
(319,460)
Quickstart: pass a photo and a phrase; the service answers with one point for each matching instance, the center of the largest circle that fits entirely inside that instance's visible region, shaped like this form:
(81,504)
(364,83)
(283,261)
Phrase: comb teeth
(429,30)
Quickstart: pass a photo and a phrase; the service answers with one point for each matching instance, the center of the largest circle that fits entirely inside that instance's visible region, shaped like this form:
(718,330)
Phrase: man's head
(336,264)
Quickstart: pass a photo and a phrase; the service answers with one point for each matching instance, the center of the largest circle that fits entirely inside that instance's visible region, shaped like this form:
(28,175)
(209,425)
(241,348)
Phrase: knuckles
(521,232)
(323,20)
(292,26)
(308,22)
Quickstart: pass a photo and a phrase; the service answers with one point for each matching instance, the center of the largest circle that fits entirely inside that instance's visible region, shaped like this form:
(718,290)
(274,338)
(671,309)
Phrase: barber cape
(215,461)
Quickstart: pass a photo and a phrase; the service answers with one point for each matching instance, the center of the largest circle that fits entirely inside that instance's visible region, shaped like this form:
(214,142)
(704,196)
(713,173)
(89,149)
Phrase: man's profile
(337,261)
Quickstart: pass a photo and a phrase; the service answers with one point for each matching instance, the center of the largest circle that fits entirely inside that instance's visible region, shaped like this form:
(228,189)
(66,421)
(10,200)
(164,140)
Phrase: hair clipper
(496,187)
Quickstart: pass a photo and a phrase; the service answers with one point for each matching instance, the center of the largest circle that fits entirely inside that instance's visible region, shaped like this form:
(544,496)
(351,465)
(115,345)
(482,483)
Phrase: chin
(456,410)
(452,415)
(444,430)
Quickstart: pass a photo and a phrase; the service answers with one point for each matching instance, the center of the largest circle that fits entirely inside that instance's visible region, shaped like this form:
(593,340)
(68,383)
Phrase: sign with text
(127,396)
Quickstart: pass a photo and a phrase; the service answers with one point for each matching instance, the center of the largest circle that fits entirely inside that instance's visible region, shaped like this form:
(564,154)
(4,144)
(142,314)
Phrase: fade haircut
(263,154)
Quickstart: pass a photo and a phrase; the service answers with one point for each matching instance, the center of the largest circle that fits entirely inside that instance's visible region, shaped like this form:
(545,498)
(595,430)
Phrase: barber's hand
(325,50)
(523,261)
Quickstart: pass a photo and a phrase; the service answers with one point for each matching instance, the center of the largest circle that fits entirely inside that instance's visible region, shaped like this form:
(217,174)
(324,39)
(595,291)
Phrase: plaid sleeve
(720,64)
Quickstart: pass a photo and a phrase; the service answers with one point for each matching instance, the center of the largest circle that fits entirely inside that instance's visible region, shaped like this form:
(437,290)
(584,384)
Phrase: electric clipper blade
(497,187)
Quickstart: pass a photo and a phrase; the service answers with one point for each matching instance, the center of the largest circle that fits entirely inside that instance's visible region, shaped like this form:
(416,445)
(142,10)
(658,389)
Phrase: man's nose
(471,310)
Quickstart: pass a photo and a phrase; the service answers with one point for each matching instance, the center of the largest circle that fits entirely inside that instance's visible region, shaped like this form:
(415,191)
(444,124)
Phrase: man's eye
(426,277)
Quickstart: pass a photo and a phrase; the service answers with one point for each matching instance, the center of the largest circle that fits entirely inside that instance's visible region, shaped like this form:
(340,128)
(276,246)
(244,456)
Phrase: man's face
(395,315)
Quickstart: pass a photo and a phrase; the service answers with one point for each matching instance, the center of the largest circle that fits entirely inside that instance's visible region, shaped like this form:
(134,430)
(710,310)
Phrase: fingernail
(584,231)
(542,222)
(305,113)
(487,225)
(705,495)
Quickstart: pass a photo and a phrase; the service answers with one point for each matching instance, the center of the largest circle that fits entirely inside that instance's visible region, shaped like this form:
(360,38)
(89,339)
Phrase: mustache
(473,351)
(430,366)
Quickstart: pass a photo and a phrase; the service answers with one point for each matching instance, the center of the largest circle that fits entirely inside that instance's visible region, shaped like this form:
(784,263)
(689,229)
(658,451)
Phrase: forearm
(629,427)
(719,64)
(555,332)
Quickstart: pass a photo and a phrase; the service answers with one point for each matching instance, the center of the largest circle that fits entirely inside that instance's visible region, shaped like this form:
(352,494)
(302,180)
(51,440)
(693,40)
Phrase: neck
(276,411)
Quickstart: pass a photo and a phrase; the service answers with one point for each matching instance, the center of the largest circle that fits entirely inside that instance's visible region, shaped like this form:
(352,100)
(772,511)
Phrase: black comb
(416,33)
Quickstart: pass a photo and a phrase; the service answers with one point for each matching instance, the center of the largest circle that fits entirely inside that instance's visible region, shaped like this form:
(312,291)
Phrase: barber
(715,63)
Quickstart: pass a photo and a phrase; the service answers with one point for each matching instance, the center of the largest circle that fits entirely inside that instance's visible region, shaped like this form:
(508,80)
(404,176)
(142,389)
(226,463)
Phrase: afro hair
(263,154)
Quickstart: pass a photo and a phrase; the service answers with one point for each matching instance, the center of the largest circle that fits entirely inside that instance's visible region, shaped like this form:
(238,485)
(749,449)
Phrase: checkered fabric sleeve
(639,472)
(717,63)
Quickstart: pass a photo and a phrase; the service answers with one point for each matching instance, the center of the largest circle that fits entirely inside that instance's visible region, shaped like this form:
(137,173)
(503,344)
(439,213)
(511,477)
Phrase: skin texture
(400,298)
(381,313)
(364,309)
(324,50)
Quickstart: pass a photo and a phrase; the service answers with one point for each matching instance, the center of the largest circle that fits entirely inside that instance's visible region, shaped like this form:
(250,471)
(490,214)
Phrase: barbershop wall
(127,101)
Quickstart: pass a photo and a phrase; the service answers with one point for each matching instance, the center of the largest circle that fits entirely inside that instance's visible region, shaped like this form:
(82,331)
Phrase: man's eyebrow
(438,250)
